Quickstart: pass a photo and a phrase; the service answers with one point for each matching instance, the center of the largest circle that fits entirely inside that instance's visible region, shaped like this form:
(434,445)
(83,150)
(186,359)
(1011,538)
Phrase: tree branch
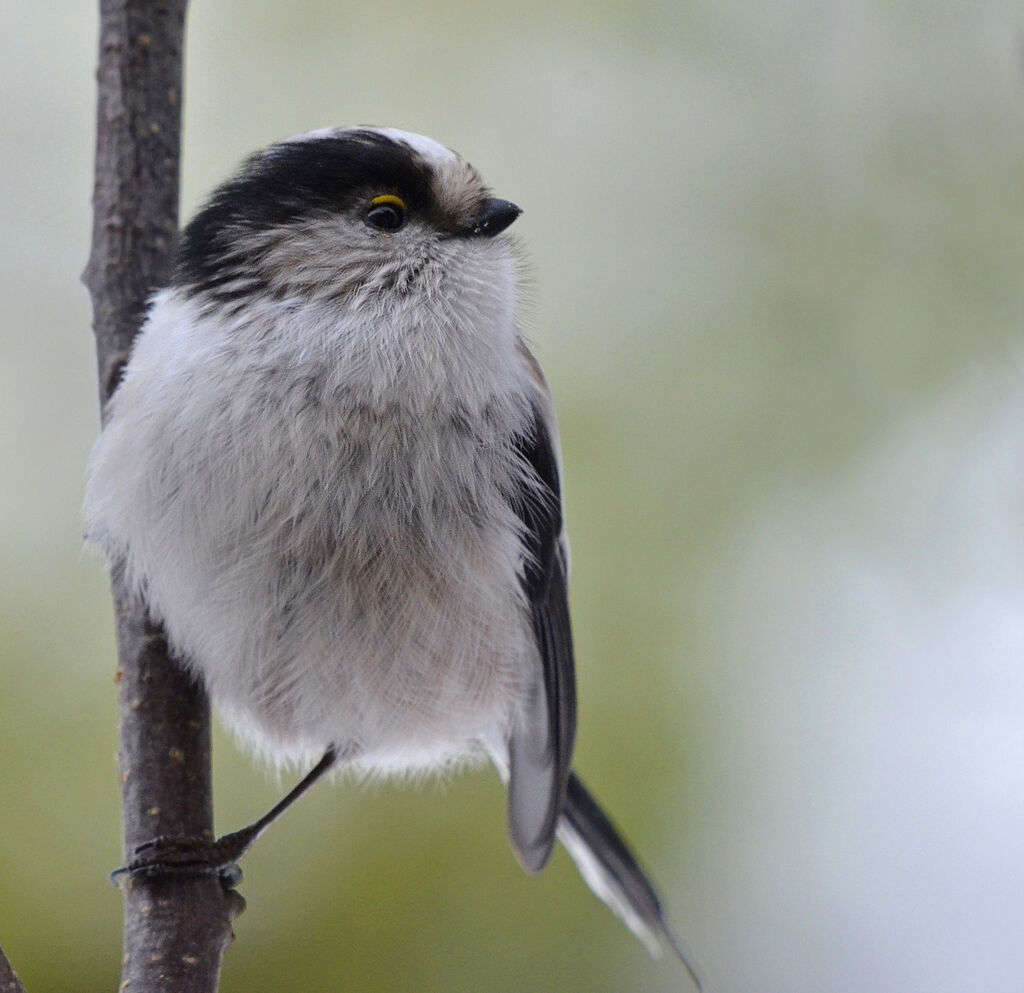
(176,930)
(9,981)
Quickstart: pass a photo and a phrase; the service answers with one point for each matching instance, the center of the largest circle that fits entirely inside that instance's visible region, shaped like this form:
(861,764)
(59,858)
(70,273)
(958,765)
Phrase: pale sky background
(778,288)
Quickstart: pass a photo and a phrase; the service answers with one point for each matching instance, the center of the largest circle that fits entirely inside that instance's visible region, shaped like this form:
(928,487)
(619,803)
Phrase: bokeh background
(778,287)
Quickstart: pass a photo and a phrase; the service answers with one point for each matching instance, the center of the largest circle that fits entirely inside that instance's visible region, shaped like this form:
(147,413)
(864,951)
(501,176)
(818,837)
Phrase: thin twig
(176,929)
(9,981)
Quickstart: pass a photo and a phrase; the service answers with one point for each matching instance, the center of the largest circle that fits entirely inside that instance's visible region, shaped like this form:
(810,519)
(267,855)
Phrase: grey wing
(541,743)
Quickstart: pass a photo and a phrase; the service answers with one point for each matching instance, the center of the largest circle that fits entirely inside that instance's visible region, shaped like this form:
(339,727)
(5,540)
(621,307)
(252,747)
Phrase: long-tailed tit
(332,472)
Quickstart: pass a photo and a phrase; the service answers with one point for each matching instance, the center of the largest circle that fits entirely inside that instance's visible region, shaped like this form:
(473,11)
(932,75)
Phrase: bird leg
(166,856)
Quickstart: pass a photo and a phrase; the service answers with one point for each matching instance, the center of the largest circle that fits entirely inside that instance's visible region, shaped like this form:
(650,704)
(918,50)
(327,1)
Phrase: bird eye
(386,213)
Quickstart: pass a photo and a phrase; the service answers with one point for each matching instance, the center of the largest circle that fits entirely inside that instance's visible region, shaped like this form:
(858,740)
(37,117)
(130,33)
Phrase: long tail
(613,873)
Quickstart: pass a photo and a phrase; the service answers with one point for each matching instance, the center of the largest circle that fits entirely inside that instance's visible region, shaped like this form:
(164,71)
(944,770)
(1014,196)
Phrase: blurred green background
(778,287)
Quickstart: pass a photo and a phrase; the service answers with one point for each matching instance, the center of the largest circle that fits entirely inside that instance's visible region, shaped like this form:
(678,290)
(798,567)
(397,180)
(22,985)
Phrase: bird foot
(167,857)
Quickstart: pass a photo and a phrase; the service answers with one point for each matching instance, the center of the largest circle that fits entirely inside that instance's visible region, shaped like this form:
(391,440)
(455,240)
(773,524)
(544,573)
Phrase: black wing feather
(540,750)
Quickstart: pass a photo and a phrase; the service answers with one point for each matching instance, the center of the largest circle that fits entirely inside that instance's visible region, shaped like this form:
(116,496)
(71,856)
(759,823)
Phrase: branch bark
(176,930)
(9,981)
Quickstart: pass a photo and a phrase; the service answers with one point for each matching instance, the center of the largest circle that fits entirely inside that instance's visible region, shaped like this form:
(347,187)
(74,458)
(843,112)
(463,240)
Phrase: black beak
(495,215)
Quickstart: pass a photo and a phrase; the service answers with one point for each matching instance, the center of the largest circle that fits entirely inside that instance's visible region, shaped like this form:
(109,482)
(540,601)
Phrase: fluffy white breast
(317,507)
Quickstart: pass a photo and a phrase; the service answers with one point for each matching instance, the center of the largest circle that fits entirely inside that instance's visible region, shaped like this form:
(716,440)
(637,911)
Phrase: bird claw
(167,857)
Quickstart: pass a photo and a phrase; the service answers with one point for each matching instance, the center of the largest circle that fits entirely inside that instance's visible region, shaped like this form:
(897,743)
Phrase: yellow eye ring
(388,198)
(386,212)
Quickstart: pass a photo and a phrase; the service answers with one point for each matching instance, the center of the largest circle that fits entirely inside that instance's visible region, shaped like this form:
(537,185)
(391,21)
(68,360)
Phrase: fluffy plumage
(332,472)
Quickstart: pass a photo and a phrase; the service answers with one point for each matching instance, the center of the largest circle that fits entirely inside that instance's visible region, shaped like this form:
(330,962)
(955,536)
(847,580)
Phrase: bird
(332,472)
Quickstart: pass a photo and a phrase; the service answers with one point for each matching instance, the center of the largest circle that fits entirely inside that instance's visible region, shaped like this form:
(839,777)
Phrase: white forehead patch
(426,147)
(314,135)
(420,143)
